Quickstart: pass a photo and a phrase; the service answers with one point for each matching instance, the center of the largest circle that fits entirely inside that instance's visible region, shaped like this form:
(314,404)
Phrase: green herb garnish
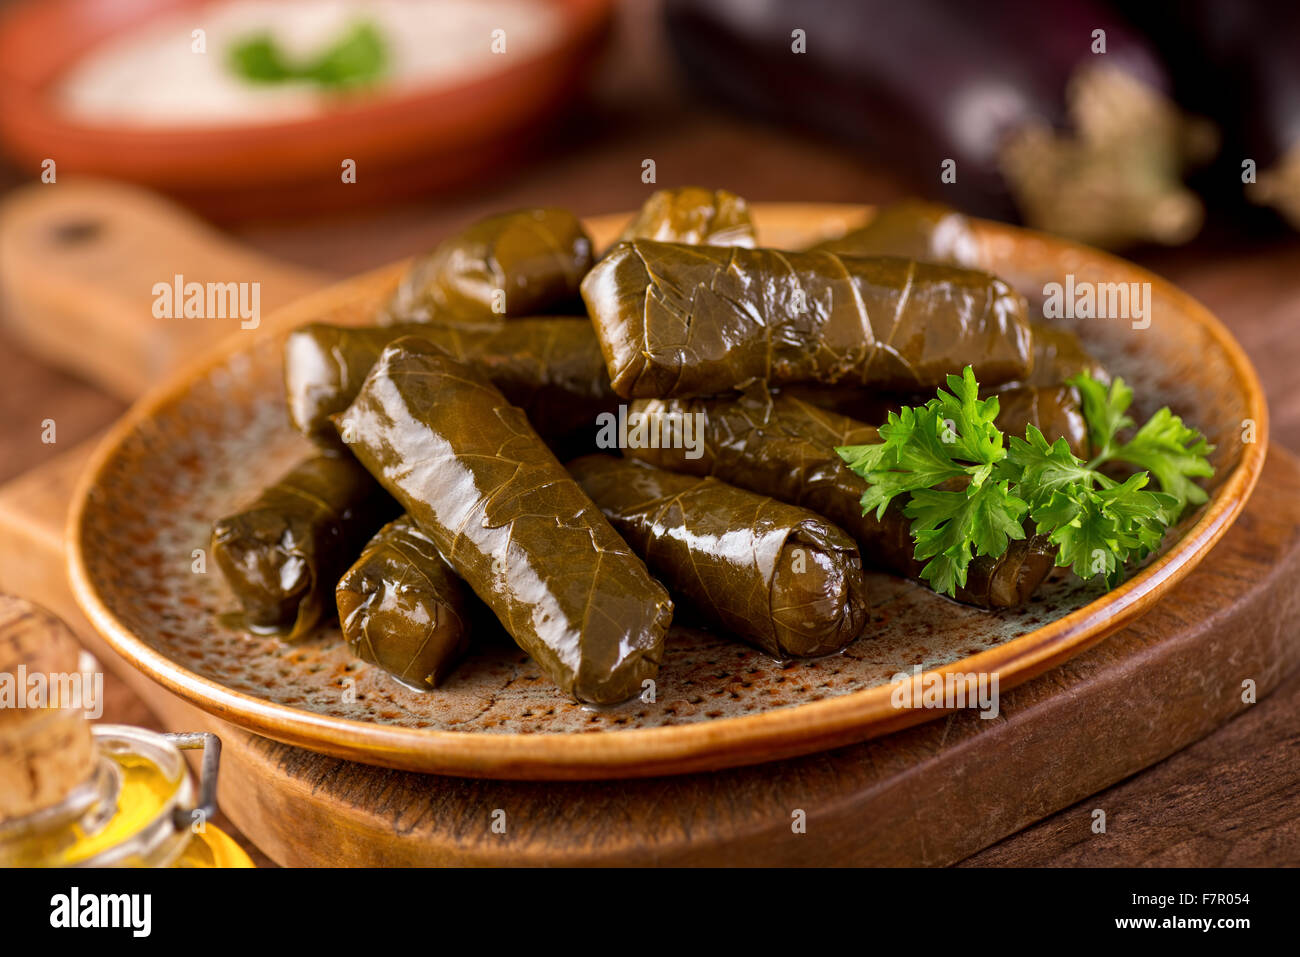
(358,57)
(968,491)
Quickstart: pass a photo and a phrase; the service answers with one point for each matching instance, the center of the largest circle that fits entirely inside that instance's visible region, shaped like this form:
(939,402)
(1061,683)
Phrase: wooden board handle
(79,262)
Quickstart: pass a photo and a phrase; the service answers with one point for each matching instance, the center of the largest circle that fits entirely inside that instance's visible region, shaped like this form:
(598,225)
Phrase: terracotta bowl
(205,442)
(403,144)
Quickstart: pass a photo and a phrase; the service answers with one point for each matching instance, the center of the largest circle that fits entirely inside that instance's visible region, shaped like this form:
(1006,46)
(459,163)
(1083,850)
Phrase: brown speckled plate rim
(719,743)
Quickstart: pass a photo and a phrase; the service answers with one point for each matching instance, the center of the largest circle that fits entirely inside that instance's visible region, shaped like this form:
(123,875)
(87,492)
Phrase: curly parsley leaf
(950,528)
(1040,468)
(1097,530)
(968,495)
(1171,451)
(911,456)
(949,441)
(357,57)
(259,59)
(1103,410)
(969,432)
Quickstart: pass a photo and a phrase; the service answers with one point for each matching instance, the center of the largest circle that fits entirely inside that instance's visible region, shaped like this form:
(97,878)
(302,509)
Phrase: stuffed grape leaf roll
(778,576)
(784,447)
(1056,410)
(514,525)
(1058,356)
(913,229)
(402,608)
(515,264)
(1043,399)
(552,368)
(283,555)
(676,320)
(698,217)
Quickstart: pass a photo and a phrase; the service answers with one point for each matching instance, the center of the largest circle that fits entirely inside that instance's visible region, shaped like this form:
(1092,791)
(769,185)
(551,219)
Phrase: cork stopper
(46,747)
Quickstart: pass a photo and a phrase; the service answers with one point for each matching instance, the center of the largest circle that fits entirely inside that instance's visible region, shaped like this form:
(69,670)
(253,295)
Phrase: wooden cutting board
(930,795)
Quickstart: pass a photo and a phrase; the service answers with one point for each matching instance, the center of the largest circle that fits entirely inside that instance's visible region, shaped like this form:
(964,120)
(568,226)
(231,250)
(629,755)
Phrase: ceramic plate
(203,444)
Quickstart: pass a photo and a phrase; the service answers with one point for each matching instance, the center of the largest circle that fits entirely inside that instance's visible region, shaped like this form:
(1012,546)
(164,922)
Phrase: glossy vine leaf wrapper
(913,229)
(1056,410)
(511,265)
(552,368)
(776,575)
(283,555)
(481,483)
(784,447)
(678,320)
(1058,356)
(698,217)
(402,608)
(932,232)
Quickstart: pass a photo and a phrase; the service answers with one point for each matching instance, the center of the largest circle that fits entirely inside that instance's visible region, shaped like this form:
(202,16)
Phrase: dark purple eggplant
(988,85)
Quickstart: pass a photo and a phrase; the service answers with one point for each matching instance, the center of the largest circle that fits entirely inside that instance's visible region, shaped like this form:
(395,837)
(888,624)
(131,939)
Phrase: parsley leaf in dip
(358,57)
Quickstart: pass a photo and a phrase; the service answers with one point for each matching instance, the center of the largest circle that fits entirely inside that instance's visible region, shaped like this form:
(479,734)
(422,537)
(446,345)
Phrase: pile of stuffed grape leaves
(479,480)
(574,451)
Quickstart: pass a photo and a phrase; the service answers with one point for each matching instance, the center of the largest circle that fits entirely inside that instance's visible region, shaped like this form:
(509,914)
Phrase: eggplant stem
(1279,187)
(1116,178)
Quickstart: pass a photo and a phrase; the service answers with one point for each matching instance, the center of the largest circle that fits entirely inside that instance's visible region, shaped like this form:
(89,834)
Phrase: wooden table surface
(1230,799)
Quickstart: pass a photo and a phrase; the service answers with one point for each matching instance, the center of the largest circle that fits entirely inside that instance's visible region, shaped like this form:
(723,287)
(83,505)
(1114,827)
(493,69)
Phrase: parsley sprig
(356,58)
(969,491)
